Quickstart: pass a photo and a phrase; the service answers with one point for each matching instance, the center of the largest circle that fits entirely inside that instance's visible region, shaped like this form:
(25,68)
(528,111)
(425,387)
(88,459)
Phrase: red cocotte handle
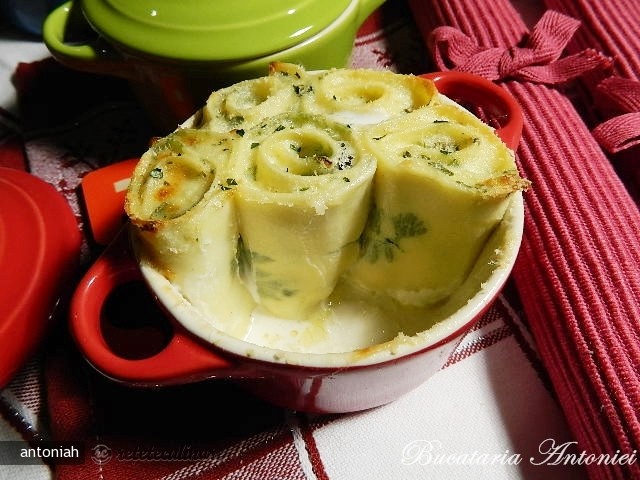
(498,107)
(180,358)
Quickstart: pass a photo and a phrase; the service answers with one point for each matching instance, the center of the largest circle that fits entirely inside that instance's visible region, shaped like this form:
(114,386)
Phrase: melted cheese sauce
(360,118)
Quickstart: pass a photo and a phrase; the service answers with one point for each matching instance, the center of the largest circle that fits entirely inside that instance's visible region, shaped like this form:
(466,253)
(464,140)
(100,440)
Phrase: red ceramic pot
(329,382)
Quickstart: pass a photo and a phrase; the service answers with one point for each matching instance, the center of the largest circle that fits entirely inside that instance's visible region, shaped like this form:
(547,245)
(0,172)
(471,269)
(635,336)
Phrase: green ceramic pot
(175,53)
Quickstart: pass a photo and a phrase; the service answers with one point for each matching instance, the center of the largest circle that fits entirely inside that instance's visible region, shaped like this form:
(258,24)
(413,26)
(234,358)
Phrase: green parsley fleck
(376,245)
(439,166)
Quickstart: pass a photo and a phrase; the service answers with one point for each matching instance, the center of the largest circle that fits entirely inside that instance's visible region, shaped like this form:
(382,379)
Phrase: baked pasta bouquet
(323,211)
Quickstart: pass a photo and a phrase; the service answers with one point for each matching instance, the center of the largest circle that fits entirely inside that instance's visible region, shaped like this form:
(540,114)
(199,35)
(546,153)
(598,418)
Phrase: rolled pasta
(180,204)
(244,104)
(365,97)
(303,197)
(442,185)
(322,211)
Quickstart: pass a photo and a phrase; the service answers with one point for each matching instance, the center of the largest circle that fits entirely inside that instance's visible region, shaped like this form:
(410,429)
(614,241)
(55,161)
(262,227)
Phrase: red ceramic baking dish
(315,382)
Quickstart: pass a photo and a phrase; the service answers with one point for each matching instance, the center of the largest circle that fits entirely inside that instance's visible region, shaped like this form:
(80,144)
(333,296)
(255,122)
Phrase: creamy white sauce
(360,118)
(343,325)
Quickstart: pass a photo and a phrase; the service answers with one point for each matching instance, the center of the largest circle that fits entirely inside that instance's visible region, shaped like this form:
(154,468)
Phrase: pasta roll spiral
(303,196)
(442,185)
(180,201)
(364,97)
(244,104)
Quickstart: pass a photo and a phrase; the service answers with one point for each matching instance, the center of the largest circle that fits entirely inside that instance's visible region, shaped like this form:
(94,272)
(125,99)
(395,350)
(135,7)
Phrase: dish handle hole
(133,325)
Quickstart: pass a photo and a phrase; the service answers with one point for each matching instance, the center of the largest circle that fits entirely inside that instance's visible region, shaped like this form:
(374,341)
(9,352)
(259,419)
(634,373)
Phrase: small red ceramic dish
(316,382)
(39,252)
(491,102)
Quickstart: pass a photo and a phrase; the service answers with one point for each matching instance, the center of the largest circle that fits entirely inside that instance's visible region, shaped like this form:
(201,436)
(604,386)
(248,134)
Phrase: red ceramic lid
(39,252)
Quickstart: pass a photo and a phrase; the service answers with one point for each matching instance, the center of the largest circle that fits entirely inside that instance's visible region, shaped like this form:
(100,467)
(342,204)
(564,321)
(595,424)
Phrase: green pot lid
(209,30)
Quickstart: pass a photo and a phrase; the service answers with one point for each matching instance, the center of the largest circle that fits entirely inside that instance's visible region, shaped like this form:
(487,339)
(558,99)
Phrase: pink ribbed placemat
(579,271)
(613,27)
